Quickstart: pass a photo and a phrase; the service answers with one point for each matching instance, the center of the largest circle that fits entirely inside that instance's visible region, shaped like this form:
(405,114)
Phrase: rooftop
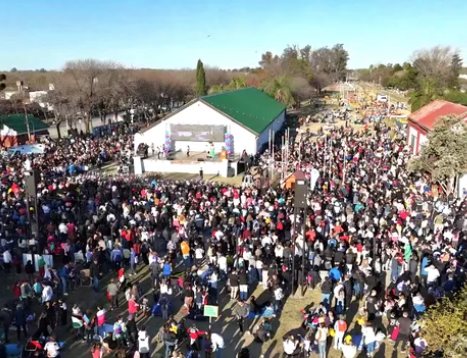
(250,107)
(17,123)
(427,116)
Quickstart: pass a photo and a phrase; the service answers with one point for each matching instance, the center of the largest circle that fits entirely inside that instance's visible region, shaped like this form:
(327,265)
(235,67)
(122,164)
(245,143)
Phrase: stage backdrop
(197,133)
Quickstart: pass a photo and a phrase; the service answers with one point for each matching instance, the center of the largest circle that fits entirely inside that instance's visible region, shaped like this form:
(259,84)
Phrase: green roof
(17,122)
(250,107)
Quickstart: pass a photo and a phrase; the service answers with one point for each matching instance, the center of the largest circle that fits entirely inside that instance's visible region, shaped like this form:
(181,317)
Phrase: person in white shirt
(291,346)
(52,348)
(217,344)
(349,350)
(278,296)
(222,262)
(199,255)
(47,293)
(7,260)
(143,343)
(63,229)
(433,274)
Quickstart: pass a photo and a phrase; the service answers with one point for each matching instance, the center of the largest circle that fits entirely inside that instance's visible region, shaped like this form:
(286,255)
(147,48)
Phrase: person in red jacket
(194,333)
(132,305)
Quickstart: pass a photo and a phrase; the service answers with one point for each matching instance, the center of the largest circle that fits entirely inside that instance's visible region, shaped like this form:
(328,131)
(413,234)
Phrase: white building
(247,115)
(421,122)
(424,120)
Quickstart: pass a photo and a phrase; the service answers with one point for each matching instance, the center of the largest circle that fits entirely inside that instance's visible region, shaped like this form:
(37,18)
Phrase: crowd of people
(374,233)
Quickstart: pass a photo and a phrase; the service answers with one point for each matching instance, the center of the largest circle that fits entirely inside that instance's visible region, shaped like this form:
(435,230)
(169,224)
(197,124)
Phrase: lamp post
(132,114)
(300,202)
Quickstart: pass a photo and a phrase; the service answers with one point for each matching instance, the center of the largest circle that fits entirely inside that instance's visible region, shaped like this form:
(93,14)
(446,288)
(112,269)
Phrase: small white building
(246,115)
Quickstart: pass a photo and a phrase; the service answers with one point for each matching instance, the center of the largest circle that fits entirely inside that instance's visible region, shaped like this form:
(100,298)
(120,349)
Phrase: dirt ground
(288,321)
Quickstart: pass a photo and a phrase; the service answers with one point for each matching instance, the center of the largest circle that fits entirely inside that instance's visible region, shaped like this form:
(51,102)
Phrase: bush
(444,326)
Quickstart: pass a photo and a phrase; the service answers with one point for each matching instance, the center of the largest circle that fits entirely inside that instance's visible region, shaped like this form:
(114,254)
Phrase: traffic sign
(211,311)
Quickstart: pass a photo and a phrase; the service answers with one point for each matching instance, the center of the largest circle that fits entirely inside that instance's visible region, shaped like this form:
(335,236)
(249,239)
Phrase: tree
(331,61)
(236,83)
(456,97)
(280,89)
(340,57)
(200,80)
(397,68)
(434,63)
(145,97)
(217,89)
(445,155)
(89,79)
(62,107)
(456,67)
(320,80)
(301,89)
(428,90)
(2,78)
(14,69)
(444,328)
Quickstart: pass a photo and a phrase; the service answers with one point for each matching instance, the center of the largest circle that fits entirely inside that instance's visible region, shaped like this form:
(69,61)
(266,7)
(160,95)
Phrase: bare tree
(434,63)
(301,89)
(62,107)
(90,78)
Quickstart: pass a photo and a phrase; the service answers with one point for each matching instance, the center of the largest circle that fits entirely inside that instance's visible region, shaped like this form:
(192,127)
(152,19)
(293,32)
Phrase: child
(144,307)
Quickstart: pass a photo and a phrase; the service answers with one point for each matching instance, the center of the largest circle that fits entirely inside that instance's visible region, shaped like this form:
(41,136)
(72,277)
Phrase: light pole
(300,202)
(132,114)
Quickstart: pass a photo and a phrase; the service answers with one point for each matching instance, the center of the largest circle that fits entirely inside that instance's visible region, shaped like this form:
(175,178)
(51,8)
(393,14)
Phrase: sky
(226,34)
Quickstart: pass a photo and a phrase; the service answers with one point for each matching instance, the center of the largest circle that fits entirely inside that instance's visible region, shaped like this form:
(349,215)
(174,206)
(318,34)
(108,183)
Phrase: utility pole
(27,122)
(304,249)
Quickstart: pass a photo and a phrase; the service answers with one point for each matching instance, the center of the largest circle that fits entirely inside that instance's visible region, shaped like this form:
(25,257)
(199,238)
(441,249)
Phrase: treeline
(84,88)
(432,74)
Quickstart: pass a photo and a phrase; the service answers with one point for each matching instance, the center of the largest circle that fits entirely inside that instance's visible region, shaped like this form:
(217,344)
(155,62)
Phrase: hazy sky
(227,34)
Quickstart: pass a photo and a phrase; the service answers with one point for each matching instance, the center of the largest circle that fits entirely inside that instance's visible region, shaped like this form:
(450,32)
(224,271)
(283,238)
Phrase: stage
(179,162)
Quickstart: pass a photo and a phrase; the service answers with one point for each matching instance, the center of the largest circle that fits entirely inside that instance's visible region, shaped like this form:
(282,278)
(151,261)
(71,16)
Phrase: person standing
(169,339)
(243,284)
(100,316)
(143,343)
(94,273)
(112,292)
(132,305)
(132,330)
(321,338)
(64,274)
(405,324)
(233,283)
(19,316)
(5,320)
(52,348)
(89,324)
(241,312)
(7,260)
(340,327)
(217,343)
